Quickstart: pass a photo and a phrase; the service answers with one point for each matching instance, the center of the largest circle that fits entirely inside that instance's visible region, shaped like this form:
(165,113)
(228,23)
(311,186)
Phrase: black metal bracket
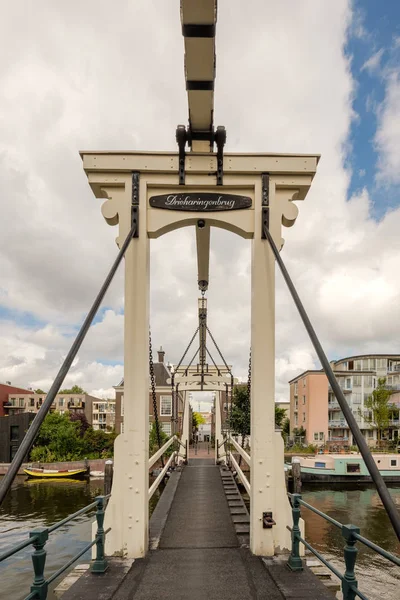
(264,203)
(220,139)
(184,136)
(181,138)
(135,202)
(268,521)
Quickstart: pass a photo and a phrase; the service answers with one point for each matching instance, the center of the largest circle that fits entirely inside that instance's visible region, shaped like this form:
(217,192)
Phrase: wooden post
(108,476)
(296,473)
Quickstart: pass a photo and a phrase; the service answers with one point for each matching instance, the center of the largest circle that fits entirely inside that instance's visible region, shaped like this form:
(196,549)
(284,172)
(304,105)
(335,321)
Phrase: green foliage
(240,419)
(39,391)
(299,432)
(280,414)
(198,419)
(58,439)
(61,438)
(74,390)
(286,427)
(299,449)
(153,442)
(377,408)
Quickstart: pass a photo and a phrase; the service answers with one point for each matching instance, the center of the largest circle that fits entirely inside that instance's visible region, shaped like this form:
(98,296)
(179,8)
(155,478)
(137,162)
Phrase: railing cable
(32,432)
(377,478)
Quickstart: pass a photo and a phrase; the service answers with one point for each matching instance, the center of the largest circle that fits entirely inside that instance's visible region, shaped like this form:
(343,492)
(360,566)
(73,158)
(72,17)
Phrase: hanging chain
(246,421)
(154,395)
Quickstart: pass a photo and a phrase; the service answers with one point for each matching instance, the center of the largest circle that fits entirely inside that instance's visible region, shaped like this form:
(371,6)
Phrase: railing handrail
(161,476)
(240,473)
(351,535)
(38,538)
(34,427)
(154,458)
(241,451)
(376,476)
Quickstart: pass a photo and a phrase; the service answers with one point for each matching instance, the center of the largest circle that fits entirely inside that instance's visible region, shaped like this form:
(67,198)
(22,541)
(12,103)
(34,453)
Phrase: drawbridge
(197,550)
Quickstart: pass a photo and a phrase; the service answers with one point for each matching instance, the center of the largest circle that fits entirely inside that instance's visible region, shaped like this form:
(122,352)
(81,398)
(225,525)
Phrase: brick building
(6,389)
(162,374)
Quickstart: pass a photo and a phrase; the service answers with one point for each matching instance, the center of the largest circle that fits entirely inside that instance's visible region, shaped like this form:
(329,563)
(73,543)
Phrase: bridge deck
(199,555)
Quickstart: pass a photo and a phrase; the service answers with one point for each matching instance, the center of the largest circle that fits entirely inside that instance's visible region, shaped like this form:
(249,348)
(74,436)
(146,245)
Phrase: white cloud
(283,84)
(387,137)
(374,62)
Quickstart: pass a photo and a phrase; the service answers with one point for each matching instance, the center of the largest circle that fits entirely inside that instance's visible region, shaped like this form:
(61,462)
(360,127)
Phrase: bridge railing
(230,441)
(173,457)
(351,535)
(38,538)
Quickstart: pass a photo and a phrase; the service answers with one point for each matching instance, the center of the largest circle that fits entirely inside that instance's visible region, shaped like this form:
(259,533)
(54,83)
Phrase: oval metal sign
(200,202)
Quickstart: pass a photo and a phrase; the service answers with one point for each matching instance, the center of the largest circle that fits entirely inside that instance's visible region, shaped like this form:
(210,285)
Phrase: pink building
(309,406)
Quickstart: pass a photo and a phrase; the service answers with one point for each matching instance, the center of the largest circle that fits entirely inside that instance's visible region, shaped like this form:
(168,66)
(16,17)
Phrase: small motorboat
(54,474)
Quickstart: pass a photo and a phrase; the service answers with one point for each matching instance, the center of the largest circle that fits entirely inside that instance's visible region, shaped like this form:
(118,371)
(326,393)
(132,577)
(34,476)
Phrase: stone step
(238,510)
(333,586)
(242,528)
(235,502)
(320,573)
(241,518)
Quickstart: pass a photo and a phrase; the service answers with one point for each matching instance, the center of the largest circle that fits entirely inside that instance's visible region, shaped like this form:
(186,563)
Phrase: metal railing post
(100,564)
(295,563)
(349,583)
(39,560)
(217,442)
(187,453)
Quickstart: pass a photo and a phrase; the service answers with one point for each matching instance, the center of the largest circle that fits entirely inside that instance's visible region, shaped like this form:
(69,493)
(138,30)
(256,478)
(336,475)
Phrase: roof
(308,372)
(370,355)
(161,375)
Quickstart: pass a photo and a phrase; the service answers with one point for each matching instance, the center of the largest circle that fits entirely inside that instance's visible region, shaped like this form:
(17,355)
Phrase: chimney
(161,355)
(8,382)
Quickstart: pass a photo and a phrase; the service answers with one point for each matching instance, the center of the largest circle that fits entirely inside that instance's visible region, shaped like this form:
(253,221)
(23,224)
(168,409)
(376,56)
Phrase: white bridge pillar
(165,206)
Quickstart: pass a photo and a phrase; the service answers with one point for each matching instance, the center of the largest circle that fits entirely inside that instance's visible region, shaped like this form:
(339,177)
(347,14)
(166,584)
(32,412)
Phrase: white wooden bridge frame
(110,177)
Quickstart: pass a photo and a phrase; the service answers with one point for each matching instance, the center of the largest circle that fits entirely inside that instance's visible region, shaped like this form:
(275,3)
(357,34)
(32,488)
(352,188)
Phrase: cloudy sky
(292,76)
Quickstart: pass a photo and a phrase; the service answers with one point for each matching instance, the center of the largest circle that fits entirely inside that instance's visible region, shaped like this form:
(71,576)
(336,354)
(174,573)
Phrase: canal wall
(95,464)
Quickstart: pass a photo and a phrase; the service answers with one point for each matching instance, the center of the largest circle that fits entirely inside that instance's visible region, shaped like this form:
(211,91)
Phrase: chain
(246,421)
(154,396)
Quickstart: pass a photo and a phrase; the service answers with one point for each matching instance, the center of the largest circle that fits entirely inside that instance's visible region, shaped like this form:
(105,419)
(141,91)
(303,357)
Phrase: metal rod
(213,361)
(84,510)
(377,478)
(218,350)
(186,351)
(39,418)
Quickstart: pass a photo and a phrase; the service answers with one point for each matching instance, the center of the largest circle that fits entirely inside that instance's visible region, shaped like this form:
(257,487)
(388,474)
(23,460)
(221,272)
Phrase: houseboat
(347,468)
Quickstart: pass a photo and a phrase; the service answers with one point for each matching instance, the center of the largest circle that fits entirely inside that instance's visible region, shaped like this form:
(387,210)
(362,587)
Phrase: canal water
(32,504)
(40,503)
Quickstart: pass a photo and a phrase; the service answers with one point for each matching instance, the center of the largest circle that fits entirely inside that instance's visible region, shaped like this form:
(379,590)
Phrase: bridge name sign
(200,202)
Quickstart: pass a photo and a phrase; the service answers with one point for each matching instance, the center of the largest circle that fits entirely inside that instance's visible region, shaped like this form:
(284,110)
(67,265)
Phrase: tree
(198,419)
(98,444)
(377,408)
(39,391)
(286,427)
(74,390)
(80,418)
(58,439)
(280,414)
(240,417)
(153,440)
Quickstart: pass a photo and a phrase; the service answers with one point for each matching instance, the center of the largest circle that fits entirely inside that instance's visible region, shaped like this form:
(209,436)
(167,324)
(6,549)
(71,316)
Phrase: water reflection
(361,507)
(41,503)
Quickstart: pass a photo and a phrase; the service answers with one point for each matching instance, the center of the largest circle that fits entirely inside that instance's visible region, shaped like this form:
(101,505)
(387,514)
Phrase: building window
(296,404)
(381,363)
(165,406)
(296,419)
(21,402)
(321,435)
(393,462)
(122,407)
(296,387)
(357,381)
(316,437)
(304,399)
(61,402)
(304,382)
(304,417)
(351,365)
(353,467)
(14,433)
(348,383)
(166,427)
(358,365)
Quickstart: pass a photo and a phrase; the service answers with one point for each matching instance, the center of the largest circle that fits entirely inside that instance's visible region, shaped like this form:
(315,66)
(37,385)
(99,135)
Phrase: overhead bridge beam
(198,18)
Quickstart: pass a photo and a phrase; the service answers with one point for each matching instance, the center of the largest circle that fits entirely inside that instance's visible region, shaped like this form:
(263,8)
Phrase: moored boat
(347,468)
(54,474)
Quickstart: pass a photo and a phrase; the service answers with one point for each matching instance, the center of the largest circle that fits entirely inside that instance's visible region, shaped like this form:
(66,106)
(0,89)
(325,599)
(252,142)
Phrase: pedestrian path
(200,554)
